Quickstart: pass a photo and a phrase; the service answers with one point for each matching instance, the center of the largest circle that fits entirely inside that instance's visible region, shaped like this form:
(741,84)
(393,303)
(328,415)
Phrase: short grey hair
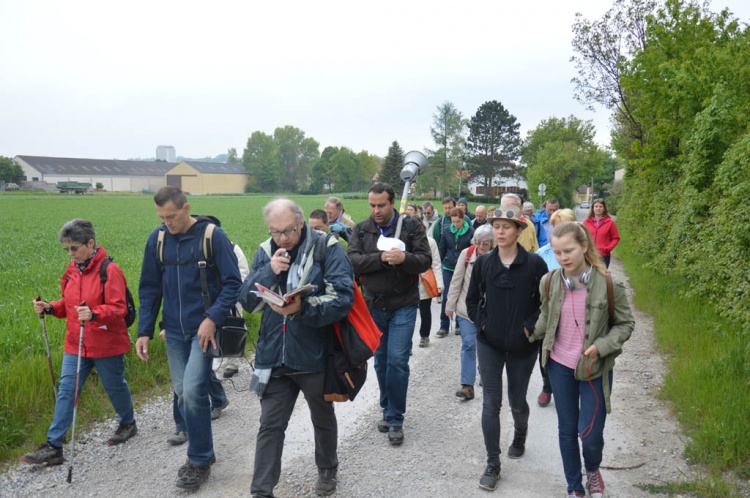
(78,231)
(336,202)
(281,204)
(427,204)
(483,232)
(528,205)
(516,199)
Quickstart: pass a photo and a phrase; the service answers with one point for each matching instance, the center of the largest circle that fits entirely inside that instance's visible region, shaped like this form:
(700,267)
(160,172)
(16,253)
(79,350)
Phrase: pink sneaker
(595,484)
(544,399)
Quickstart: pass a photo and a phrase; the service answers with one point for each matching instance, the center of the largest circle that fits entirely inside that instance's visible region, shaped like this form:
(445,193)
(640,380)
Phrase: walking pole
(49,355)
(75,402)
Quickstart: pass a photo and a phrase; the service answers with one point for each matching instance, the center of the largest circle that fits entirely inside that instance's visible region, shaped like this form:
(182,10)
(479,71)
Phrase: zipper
(283,341)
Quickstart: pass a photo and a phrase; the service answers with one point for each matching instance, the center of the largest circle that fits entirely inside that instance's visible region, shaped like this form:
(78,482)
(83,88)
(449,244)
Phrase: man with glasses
(174,284)
(293,340)
(390,278)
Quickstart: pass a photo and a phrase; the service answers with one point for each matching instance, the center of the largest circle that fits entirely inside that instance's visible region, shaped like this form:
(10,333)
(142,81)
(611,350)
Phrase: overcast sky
(99,79)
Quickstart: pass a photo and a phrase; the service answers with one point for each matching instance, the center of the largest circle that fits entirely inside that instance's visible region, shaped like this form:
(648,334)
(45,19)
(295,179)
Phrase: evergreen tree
(390,173)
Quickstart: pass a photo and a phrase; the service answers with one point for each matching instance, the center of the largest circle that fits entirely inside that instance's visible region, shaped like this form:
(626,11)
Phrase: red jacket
(107,334)
(604,233)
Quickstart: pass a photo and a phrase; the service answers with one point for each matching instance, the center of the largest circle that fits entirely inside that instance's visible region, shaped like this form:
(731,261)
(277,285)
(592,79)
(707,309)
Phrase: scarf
(458,232)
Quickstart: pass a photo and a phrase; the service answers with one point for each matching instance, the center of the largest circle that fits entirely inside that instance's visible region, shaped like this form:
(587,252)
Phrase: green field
(32,262)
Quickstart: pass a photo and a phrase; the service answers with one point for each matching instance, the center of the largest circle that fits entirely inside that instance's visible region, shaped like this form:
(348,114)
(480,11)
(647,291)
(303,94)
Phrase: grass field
(32,262)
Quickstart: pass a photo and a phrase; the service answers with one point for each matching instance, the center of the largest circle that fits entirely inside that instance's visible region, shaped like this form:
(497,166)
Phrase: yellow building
(196,177)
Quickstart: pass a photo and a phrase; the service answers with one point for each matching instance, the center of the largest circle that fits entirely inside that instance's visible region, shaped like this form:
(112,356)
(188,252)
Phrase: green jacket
(608,340)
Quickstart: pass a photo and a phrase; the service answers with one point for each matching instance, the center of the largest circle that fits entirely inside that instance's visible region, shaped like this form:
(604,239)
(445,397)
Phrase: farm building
(134,176)
(208,178)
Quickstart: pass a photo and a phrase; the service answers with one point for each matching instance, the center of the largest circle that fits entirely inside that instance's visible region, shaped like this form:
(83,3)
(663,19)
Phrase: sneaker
(193,476)
(178,438)
(594,484)
(442,333)
(181,471)
(45,453)
(518,447)
(383,425)
(466,392)
(326,483)
(122,434)
(457,331)
(216,410)
(575,494)
(395,435)
(230,371)
(544,399)
(424,342)
(490,477)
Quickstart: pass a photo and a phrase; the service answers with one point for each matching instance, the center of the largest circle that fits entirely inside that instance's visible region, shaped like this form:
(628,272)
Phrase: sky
(113,80)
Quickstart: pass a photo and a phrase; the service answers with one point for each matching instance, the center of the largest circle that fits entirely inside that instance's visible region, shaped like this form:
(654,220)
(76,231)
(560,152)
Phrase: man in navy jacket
(174,283)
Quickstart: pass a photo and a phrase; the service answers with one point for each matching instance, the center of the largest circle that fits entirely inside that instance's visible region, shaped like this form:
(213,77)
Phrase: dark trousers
(276,406)
(425,315)
(518,369)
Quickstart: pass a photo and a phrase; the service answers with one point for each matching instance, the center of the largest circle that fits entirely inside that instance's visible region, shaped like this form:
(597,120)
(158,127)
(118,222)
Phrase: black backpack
(130,303)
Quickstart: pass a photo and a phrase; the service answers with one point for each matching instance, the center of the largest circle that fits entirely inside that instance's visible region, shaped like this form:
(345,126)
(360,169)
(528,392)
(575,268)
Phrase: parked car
(585,205)
(12,186)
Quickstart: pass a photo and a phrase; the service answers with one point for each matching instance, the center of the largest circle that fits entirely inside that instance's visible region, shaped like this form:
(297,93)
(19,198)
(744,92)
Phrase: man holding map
(293,337)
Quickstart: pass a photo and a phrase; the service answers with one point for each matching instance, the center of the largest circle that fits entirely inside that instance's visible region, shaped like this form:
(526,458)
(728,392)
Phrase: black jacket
(450,248)
(387,287)
(512,300)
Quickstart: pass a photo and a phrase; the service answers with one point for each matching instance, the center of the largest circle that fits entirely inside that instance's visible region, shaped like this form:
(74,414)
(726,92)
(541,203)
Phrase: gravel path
(442,455)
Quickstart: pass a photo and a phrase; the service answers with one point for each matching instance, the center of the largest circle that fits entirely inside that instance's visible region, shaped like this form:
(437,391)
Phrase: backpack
(472,248)
(610,293)
(206,246)
(354,341)
(130,303)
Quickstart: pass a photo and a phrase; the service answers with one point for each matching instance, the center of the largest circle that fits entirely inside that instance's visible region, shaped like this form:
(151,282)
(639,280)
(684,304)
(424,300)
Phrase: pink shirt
(569,339)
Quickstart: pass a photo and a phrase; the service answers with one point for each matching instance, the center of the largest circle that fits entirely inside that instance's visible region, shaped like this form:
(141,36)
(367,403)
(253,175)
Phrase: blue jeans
(577,404)
(468,350)
(191,373)
(447,277)
(216,396)
(392,359)
(518,370)
(112,375)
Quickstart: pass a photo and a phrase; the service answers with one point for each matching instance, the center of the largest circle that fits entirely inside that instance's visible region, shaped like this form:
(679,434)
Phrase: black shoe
(193,476)
(395,435)
(518,448)
(122,434)
(45,453)
(383,425)
(181,471)
(326,483)
(490,477)
(230,371)
(441,333)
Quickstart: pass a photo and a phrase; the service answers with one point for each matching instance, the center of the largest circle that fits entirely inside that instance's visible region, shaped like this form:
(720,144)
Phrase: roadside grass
(32,263)
(707,385)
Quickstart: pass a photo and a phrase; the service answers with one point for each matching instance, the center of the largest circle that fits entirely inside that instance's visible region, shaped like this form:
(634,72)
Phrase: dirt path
(442,456)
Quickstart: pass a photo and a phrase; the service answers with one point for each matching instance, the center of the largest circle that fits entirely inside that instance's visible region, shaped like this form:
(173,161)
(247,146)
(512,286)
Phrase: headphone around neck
(584,278)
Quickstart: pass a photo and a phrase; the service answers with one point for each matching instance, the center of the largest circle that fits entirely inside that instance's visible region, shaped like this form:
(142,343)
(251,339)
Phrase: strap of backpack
(103,274)
(548,282)
(469,253)
(160,248)
(207,253)
(610,298)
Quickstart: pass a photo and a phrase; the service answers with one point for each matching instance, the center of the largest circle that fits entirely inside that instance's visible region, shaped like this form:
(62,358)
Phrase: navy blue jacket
(178,286)
(302,346)
(450,248)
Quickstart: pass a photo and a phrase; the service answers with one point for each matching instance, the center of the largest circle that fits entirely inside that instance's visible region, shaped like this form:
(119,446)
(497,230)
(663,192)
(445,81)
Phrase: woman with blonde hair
(585,319)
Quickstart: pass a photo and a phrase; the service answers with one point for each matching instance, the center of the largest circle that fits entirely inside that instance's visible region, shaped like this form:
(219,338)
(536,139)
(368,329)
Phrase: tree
(448,131)
(367,167)
(390,173)
(297,155)
(323,174)
(494,143)
(10,171)
(261,160)
(232,157)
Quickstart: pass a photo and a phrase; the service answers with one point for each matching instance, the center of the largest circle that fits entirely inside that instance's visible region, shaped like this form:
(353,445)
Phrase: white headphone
(584,278)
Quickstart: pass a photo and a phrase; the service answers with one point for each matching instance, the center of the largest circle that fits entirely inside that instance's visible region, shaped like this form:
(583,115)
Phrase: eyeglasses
(70,249)
(285,233)
(484,243)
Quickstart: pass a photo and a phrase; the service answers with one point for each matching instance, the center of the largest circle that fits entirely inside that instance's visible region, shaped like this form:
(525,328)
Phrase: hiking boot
(544,399)
(181,471)
(122,434)
(395,435)
(442,333)
(457,331)
(382,425)
(424,342)
(517,449)
(230,371)
(594,483)
(216,410)
(178,438)
(45,453)
(326,483)
(490,477)
(466,392)
(193,476)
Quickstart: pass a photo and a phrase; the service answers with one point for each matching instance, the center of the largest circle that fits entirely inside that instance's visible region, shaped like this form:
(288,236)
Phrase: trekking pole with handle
(46,345)
(75,402)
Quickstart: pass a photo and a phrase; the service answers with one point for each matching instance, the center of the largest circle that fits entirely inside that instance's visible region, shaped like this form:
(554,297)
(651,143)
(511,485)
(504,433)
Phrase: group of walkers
(493,284)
